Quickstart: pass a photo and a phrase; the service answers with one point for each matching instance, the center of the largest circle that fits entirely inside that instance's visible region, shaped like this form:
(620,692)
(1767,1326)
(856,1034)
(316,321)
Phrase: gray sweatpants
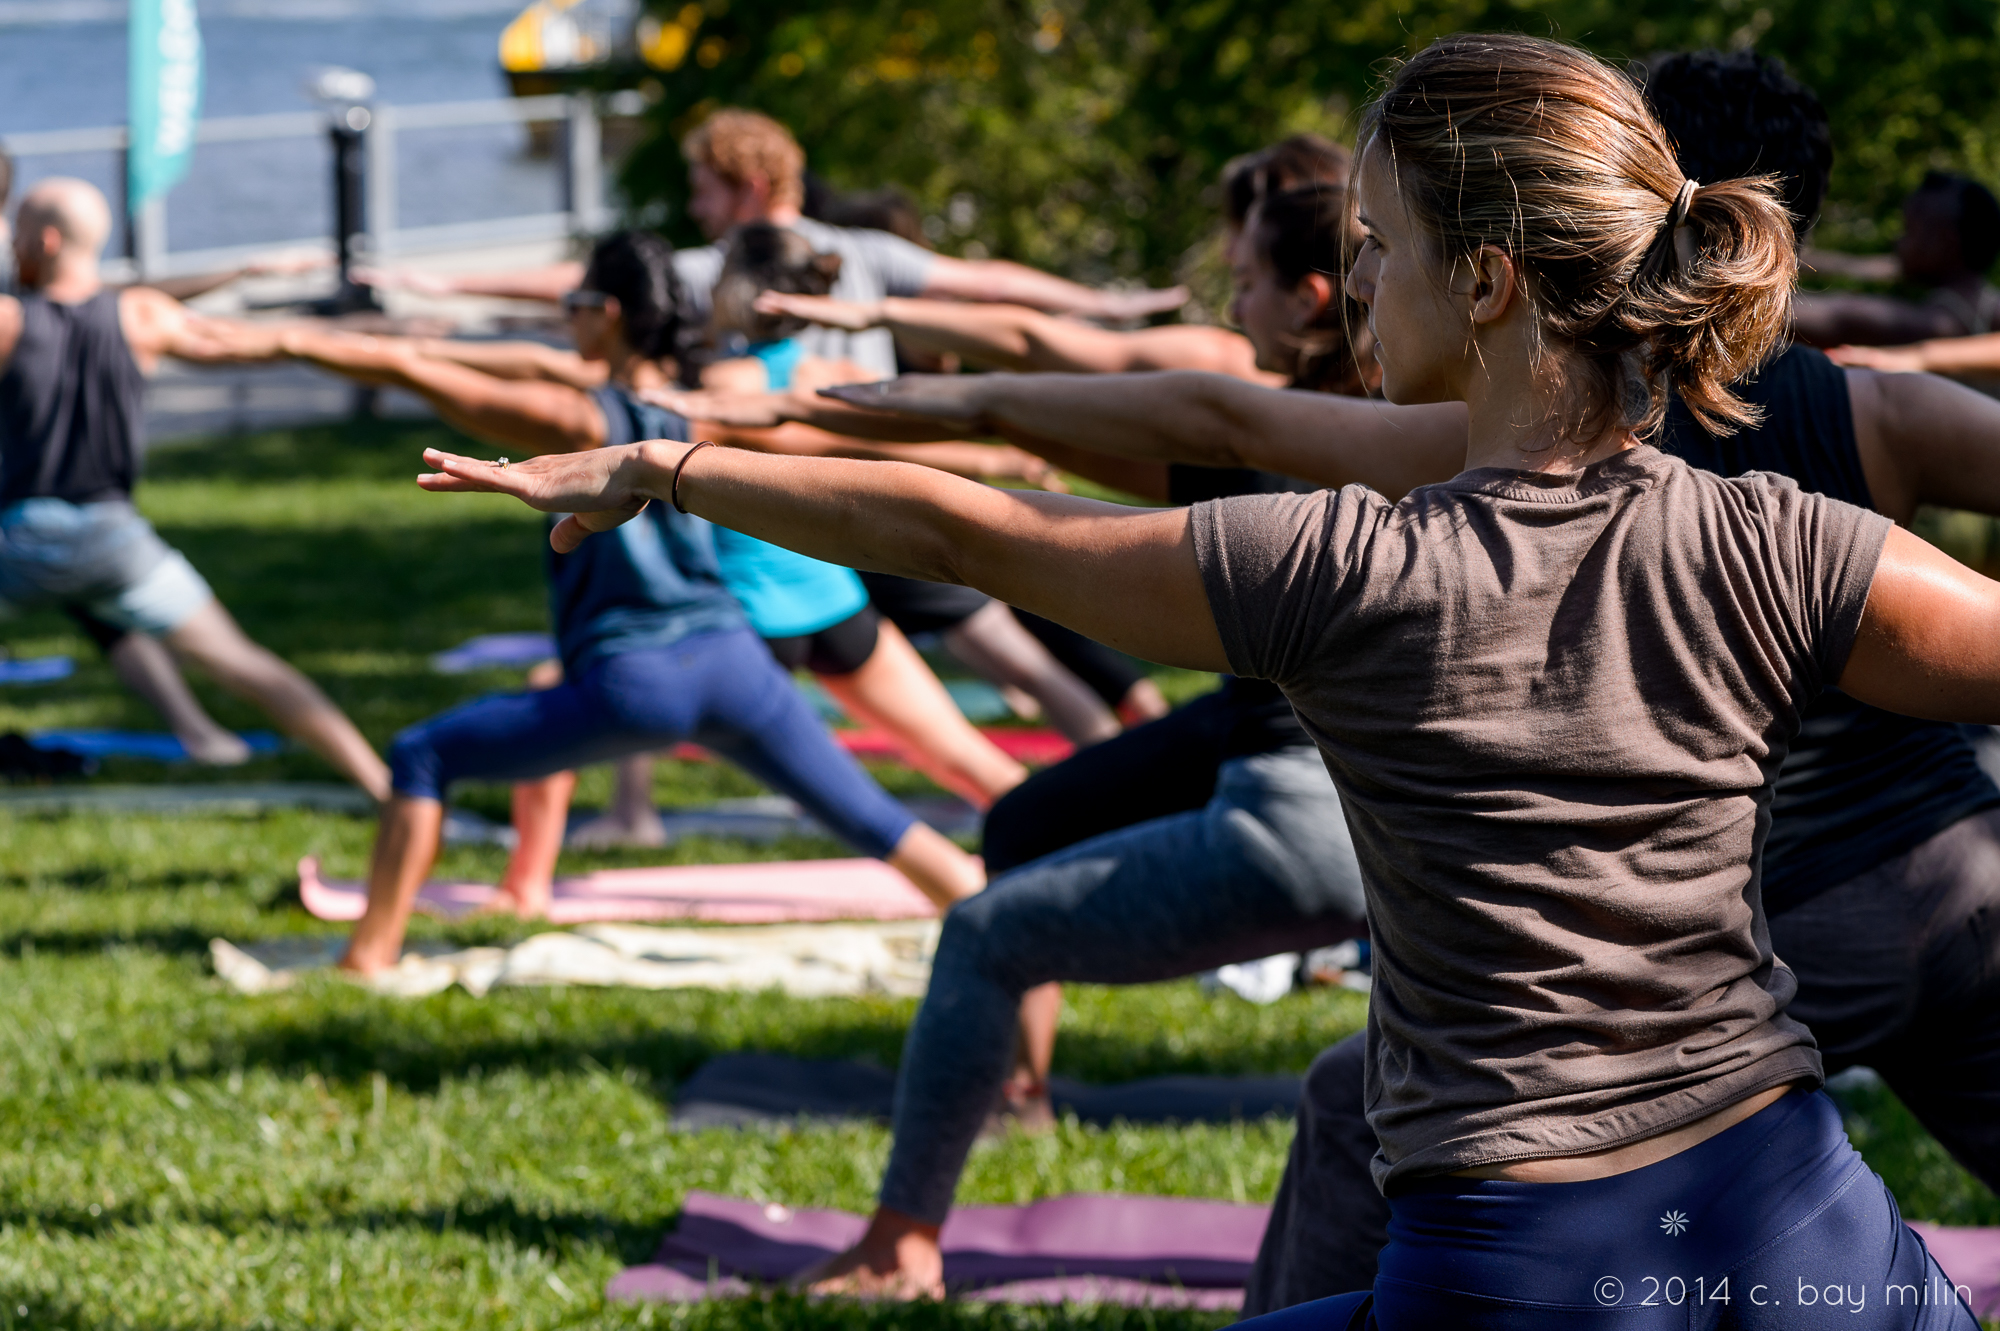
(1899,970)
(1265,867)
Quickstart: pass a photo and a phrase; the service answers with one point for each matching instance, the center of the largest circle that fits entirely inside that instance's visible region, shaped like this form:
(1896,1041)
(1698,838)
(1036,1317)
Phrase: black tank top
(70,404)
(1861,785)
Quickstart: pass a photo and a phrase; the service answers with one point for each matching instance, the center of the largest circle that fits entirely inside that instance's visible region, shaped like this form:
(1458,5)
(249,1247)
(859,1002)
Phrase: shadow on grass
(555,1231)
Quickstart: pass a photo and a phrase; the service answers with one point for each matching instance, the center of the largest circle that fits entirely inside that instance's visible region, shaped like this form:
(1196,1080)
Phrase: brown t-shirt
(1554,707)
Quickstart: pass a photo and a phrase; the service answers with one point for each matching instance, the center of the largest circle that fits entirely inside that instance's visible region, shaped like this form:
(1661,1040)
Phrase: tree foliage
(1085,135)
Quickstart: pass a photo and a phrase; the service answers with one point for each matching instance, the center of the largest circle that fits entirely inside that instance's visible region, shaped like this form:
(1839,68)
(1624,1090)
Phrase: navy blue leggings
(721,690)
(1774,1225)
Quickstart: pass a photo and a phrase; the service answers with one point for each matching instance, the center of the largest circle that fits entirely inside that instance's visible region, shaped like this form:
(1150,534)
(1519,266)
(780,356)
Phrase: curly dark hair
(1742,114)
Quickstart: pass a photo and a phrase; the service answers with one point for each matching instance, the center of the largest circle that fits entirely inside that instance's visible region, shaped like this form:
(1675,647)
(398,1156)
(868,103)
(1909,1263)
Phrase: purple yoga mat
(1154,1251)
(1971,1257)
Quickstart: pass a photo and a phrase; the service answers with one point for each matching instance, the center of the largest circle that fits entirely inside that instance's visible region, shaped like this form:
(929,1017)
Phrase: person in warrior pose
(73,359)
(1173,801)
(654,648)
(1885,838)
(1554,693)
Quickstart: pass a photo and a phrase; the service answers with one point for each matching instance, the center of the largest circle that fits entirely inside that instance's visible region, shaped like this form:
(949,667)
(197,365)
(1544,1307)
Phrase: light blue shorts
(103,556)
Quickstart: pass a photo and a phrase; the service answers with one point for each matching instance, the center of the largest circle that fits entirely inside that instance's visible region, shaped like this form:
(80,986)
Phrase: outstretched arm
(1929,643)
(528,361)
(974,461)
(548,283)
(536,417)
(1014,337)
(1124,576)
(1206,420)
(1001,280)
(157,326)
(1826,319)
(1979,354)
(1925,440)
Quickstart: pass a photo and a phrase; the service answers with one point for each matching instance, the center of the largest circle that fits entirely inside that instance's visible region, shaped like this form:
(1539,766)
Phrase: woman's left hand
(596,490)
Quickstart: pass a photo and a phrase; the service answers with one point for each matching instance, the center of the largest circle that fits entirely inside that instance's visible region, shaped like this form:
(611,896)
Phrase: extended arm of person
(525,361)
(535,417)
(957,456)
(1014,337)
(156,326)
(1929,641)
(1925,440)
(1000,280)
(1979,354)
(1126,577)
(1828,319)
(764,411)
(549,283)
(1204,420)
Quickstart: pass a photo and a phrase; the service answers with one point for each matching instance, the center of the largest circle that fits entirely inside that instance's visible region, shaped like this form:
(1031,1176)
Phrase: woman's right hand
(596,490)
(847,315)
(954,399)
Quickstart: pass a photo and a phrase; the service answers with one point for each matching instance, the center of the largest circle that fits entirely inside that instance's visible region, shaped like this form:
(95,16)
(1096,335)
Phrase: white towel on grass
(891,958)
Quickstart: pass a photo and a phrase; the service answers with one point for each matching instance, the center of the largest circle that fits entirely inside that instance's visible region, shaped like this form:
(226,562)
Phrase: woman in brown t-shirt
(1553,692)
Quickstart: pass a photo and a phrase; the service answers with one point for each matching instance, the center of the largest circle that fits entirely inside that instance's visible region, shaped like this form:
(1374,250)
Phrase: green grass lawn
(179,1156)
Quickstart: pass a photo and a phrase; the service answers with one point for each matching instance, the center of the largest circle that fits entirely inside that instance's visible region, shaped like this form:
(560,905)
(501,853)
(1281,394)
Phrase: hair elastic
(1668,242)
(674,492)
(1677,215)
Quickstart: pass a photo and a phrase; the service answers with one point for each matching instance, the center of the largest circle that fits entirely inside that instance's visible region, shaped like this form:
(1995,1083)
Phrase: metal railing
(580,157)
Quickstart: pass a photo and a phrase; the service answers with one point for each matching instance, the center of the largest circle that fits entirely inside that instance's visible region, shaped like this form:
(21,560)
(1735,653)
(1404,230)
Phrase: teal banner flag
(166,95)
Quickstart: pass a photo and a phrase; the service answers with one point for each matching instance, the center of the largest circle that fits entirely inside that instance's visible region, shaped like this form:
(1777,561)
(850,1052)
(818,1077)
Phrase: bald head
(74,209)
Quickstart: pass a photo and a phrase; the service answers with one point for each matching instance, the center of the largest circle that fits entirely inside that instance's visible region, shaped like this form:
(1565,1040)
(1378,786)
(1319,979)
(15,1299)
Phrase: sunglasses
(580,299)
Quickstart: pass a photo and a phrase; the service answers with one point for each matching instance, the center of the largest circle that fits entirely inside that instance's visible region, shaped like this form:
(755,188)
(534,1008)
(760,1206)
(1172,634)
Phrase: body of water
(62,66)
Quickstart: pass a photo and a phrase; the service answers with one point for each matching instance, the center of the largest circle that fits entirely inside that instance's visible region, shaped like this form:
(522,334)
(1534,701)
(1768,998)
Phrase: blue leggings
(1775,1224)
(721,690)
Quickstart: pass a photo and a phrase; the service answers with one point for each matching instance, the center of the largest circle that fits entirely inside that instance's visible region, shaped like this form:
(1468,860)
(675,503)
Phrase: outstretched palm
(595,489)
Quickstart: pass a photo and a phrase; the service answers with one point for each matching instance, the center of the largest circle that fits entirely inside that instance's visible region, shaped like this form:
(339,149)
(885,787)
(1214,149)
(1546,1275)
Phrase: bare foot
(526,903)
(611,830)
(216,748)
(366,963)
(898,1258)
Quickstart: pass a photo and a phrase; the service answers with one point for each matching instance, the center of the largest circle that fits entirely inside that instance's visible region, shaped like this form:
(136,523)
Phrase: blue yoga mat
(495,651)
(154,744)
(37,670)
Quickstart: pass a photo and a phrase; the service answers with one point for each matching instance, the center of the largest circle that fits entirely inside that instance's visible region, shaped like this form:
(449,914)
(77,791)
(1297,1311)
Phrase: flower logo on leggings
(1673,1223)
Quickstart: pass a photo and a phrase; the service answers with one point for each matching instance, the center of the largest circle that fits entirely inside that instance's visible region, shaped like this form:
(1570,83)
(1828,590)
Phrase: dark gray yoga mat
(753,1090)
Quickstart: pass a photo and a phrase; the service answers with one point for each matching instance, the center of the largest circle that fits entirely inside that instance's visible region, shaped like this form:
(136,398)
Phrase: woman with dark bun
(1554,693)
(654,648)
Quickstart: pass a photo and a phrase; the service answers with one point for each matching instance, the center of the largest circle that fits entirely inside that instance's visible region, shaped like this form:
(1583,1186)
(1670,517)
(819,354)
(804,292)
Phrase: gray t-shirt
(1554,707)
(873,264)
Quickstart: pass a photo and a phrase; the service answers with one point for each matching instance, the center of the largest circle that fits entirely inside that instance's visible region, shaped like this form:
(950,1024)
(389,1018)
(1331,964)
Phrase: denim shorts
(103,556)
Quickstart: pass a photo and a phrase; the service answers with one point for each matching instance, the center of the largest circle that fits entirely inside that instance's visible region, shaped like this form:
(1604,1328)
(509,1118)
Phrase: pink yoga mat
(1971,1257)
(1035,746)
(1156,1251)
(792,891)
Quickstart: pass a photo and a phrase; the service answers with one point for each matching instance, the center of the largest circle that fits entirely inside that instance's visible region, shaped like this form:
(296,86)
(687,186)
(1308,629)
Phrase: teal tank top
(786,595)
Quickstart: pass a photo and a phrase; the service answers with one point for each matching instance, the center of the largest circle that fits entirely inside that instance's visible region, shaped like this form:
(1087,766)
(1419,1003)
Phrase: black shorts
(922,607)
(837,649)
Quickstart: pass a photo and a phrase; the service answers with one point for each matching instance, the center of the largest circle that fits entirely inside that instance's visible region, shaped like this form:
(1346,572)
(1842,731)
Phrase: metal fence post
(583,163)
(149,238)
(350,206)
(379,146)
